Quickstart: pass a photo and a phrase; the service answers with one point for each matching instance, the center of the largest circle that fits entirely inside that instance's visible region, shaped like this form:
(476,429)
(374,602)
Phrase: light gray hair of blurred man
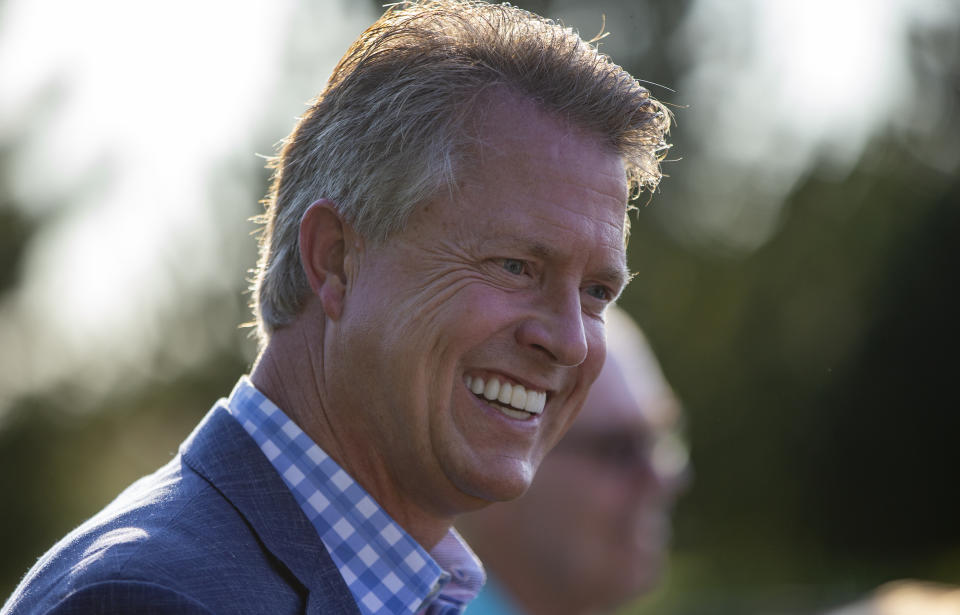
(591,532)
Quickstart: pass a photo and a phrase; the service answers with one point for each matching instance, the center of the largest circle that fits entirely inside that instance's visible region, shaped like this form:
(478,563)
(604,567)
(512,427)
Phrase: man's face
(601,501)
(504,282)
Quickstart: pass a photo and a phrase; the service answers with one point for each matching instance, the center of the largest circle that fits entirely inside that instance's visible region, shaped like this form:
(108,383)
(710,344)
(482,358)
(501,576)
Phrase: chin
(492,483)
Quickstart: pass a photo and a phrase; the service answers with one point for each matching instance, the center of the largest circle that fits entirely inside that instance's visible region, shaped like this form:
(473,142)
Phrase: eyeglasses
(666,454)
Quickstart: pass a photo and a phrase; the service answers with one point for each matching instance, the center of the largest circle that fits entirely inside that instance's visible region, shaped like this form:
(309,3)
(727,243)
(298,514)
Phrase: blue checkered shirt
(387,571)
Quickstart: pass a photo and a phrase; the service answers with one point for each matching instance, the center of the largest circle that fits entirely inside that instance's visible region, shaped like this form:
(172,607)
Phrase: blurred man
(450,211)
(591,532)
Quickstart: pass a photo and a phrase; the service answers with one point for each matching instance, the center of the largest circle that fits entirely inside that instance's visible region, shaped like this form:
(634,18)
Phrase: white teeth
(535,402)
(519,398)
(514,414)
(492,389)
(508,394)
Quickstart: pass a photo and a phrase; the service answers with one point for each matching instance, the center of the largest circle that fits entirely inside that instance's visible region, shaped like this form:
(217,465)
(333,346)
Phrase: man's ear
(323,233)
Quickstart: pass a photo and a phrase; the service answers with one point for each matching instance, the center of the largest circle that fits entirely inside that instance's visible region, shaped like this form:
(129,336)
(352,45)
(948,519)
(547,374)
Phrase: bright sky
(141,102)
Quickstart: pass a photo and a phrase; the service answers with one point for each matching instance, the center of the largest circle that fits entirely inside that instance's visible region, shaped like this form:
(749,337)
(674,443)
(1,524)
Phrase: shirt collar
(386,570)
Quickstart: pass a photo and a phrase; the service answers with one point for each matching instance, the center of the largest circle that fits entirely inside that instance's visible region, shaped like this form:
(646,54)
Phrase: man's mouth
(513,400)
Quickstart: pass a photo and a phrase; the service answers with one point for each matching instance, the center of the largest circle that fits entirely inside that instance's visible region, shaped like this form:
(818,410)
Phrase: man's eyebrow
(618,277)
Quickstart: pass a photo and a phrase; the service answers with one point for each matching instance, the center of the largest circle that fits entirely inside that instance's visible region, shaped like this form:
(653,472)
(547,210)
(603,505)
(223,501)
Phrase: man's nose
(557,330)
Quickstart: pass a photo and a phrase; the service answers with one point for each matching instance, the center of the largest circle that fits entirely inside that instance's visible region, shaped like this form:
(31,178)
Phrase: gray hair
(391,130)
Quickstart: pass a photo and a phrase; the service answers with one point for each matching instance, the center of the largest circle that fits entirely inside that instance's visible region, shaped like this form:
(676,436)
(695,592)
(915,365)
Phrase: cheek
(437,319)
(394,318)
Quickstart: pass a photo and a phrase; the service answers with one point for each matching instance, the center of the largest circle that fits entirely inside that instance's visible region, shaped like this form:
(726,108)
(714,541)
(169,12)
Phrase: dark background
(817,365)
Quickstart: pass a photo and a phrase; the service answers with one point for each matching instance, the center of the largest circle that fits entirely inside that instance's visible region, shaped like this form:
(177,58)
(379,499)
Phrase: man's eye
(514,266)
(599,292)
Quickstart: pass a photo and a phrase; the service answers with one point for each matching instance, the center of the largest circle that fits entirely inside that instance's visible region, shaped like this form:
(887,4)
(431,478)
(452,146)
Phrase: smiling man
(445,230)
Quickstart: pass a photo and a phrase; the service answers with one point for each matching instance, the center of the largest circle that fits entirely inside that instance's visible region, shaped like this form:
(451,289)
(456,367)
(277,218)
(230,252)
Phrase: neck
(291,373)
(281,373)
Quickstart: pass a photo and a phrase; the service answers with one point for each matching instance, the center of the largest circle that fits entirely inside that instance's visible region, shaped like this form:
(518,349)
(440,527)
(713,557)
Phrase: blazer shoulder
(119,597)
(216,525)
(170,535)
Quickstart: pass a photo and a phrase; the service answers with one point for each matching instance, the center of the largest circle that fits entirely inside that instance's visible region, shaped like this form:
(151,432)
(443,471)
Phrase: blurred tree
(15,232)
(881,487)
(16,227)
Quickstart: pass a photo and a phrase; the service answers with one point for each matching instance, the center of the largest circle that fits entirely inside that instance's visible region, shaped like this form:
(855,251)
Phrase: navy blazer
(214,531)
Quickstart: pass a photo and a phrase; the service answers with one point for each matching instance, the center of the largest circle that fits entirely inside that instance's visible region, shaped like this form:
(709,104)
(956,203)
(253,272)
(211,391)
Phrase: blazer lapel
(222,452)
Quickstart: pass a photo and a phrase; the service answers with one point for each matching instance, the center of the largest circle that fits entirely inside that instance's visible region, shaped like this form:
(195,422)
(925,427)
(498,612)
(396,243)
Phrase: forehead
(534,173)
(510,127)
